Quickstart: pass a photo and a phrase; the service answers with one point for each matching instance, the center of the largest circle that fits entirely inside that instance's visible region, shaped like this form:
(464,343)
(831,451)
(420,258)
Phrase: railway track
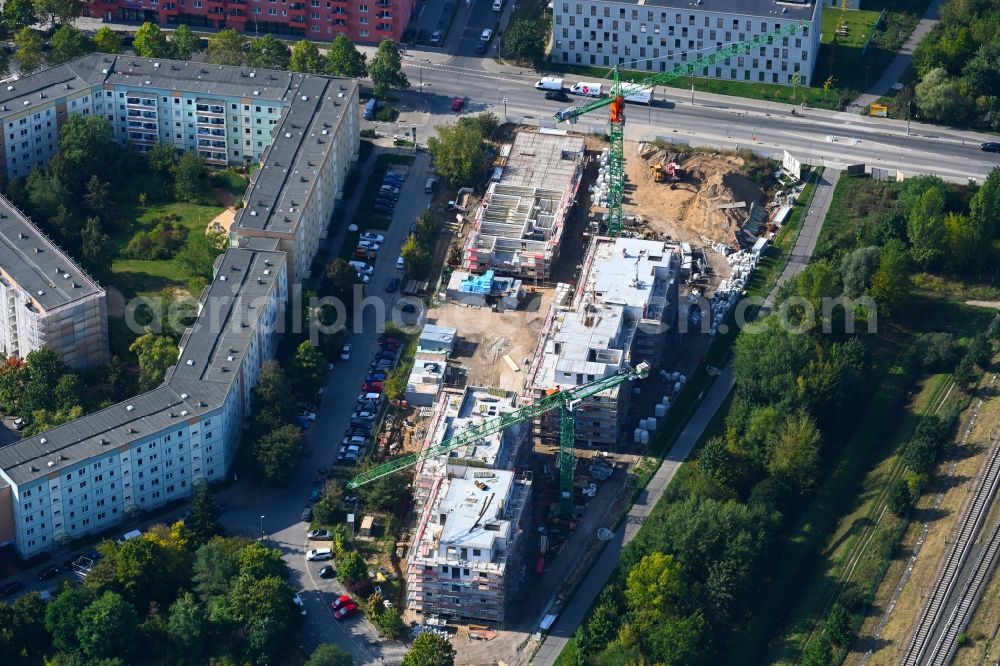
(947,642)
(962,544)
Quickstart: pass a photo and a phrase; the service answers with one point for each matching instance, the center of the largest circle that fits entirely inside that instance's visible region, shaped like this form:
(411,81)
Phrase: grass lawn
(138,277)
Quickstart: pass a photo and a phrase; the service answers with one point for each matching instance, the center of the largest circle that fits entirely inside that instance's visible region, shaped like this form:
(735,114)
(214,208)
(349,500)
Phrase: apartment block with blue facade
(87,475)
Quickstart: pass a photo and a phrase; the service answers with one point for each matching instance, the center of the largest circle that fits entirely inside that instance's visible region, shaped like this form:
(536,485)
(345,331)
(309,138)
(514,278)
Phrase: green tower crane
(620,90)
(565,400)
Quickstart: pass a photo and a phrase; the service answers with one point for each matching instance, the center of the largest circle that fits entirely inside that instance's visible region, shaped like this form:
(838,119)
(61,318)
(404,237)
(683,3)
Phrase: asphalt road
(281,510)
(815,136)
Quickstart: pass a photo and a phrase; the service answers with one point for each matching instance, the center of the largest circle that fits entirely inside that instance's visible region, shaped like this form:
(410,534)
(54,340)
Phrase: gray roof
(189,390)
(37,265)
(199,77)
(231,311)
(785,10)
(281,186)
(106,430)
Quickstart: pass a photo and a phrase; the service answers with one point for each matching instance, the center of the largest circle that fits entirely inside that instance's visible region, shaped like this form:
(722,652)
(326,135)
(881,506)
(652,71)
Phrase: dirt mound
(701,204)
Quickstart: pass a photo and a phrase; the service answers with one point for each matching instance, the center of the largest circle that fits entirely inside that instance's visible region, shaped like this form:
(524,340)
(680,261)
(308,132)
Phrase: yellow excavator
(662,174)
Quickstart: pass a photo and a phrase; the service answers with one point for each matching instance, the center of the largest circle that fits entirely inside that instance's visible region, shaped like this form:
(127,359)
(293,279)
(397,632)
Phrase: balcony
(210,122)
(211,109)
(202,131)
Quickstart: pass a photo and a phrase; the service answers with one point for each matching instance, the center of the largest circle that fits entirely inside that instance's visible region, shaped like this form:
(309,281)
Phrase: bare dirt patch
(697,207)
(485,337)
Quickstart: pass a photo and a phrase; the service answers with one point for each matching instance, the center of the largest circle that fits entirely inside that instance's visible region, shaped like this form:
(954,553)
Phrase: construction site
(539,303)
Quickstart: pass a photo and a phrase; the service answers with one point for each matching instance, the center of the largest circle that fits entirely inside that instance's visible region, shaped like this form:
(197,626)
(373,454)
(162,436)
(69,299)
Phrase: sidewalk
(903,58)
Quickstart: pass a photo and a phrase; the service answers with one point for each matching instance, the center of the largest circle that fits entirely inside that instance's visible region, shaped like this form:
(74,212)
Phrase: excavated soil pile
(691,210)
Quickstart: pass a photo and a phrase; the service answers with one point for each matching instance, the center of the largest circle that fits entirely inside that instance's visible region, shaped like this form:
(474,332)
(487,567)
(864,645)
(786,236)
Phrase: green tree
(458,151)
(150,42)
(98,198)
(190,178)
(857,269)
(203,523)
(963,250)
(58,11)
(767,359)
(899,499)
(257,561)
(28,50)
(678,641)
(214,567)
(838,624)
(184,42)
(70,391)
(108,627)
(326,509)
(18,14)
(309,367)
(187,627)
(352,569)
(891,283)
(199,252)
(156,354)
(430,650)
(939,97)
(160,159)
(62,616)
(344,59)
(328,654)
(386,70)
(796,452)
(269,52)
(984,206)
(819,651)
(95,245)
(305,58)
(264,608)
(653,588)
(277,454)
(226,47)
(22,629)
(383,494)
(274,390)
(107,40)
(68,42)
(416,259)
(925,228)
(524,41)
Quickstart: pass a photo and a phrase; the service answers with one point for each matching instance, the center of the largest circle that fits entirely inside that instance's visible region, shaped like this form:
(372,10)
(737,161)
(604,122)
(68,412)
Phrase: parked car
(457,104)
(302,422)
(307,514)
(436,37)
(373,237)
(400,263)
(381,209)
(369,245)
(11,588)
(990,147)
(319,554)
(327,571)
(48,573)
(319,535)
(345,612)
(305,414)
(364,279)
(345,352)
(391,285)
(363,416)
(376,377)
(18,424)
(557,96)
(341,601)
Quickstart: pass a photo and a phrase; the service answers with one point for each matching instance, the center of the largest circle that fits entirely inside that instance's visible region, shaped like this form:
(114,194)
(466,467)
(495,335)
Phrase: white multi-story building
(47,301)
(85,476)
(623,312)
(659,35)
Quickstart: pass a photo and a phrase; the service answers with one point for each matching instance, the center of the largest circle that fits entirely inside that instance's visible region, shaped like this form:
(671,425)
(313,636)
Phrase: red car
(345,612)
(372,387)
(389,341)
(340,602)
(457,104)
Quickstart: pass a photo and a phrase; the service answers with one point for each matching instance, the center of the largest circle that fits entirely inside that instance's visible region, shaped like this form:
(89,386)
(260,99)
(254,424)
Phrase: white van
(128,536)
(549,83)
(361,267)
(497,5)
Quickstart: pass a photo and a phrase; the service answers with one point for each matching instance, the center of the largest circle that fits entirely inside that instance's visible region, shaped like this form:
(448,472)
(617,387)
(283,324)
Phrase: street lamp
(505,109)
(261,527)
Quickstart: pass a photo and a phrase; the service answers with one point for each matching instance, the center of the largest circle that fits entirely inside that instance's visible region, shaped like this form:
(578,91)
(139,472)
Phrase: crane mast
(562,399)
(620,90)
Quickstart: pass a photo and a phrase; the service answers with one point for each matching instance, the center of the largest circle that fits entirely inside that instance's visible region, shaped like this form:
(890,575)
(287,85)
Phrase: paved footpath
(903,57)
(583,599)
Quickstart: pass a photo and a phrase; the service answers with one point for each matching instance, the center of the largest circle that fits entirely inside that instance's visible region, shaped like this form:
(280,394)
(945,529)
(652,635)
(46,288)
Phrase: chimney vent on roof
(43,440)
(50,464)
(104,442)
(190,361)
(129,408)
(184,412)
(132,431)
(184,396)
